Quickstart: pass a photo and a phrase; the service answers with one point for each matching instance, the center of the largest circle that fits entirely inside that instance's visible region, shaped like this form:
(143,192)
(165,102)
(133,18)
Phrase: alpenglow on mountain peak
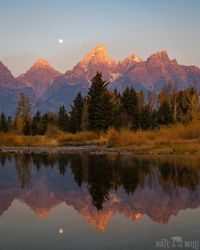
(39,77)
(41,63)
(97,55)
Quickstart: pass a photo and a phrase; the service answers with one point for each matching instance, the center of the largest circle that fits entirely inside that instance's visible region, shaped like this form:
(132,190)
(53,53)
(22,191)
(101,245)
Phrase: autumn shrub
(165,135)
(86,137)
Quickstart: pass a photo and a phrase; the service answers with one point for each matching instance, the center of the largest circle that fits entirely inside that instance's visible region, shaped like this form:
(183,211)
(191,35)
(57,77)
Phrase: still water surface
(82,201)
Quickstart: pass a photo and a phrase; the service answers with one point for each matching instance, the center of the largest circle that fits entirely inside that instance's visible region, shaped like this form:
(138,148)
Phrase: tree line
(102,109)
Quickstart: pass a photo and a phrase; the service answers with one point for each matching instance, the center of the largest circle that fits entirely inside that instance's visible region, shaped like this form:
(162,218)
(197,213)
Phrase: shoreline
(64,150)
(92,149)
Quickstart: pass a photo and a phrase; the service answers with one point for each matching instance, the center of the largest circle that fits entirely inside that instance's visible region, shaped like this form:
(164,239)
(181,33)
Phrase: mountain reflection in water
(100,187)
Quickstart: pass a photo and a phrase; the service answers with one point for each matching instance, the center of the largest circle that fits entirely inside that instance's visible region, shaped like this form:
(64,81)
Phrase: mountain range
(48,88)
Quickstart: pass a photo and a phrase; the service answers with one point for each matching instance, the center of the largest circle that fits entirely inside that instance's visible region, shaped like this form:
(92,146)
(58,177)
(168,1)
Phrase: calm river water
(91,202)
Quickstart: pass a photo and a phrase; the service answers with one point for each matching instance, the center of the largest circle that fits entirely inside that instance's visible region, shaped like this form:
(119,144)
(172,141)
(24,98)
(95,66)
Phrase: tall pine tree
(3,123)
(130,107)
(84,118)
(164,114)
(76,113)
(99,104)
(39,125)
(63,119)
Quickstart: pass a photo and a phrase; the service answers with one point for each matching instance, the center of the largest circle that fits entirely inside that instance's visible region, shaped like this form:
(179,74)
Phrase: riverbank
(176,139)
(98,150)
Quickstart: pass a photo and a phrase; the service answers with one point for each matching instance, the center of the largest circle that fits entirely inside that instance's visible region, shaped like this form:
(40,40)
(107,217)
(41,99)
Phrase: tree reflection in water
(103,175)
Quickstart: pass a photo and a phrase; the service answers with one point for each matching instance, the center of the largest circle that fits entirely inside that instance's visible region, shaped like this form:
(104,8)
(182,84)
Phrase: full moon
(61,231)
(60,41)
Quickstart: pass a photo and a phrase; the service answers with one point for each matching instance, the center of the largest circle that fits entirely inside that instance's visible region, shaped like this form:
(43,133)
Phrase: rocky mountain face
(150,75)
(96,60)
(64,88)
(42,82)
(7,80)
(39,77)
(10,88)
(124,65)
(157,71)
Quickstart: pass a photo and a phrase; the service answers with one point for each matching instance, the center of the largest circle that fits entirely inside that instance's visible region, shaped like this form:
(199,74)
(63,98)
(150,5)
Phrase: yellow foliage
(112,136)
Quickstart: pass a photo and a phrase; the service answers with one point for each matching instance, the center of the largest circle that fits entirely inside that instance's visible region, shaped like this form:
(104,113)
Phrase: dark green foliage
(63,119)
(84,118)
(6,124)
(39,124)
(76,113)
(3,123)
(10,124)
(50,118)
(99,104)
(130,107)
(147,117)
(118,121)
(165,114)
(27,128)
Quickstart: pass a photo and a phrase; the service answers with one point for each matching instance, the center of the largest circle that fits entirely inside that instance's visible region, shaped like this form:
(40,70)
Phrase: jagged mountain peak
(97,55)
(4,70)
(100,48)
(7,80)
(39,76)
(160,56)
(41,63)
(125,64)
(132,58)
(162,53)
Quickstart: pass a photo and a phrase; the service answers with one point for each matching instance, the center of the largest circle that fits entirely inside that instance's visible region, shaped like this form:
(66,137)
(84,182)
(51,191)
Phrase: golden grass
(53,138)
(175,139)
(14,140)
(80,138)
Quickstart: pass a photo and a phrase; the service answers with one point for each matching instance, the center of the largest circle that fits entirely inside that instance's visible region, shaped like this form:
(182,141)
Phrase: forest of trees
(102,109)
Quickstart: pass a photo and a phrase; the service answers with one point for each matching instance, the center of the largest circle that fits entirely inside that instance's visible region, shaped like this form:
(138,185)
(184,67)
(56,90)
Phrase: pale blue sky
(30,30)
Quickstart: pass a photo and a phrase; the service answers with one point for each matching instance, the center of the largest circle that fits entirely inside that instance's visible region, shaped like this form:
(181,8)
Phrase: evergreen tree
(38,125)
(84,119)
(27,128)
(164,114)
(130,106)
(76,113)
(50,118)
(63,119)
(118,120)
(147,117)
(9,123)
(99,104)
(3,123)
